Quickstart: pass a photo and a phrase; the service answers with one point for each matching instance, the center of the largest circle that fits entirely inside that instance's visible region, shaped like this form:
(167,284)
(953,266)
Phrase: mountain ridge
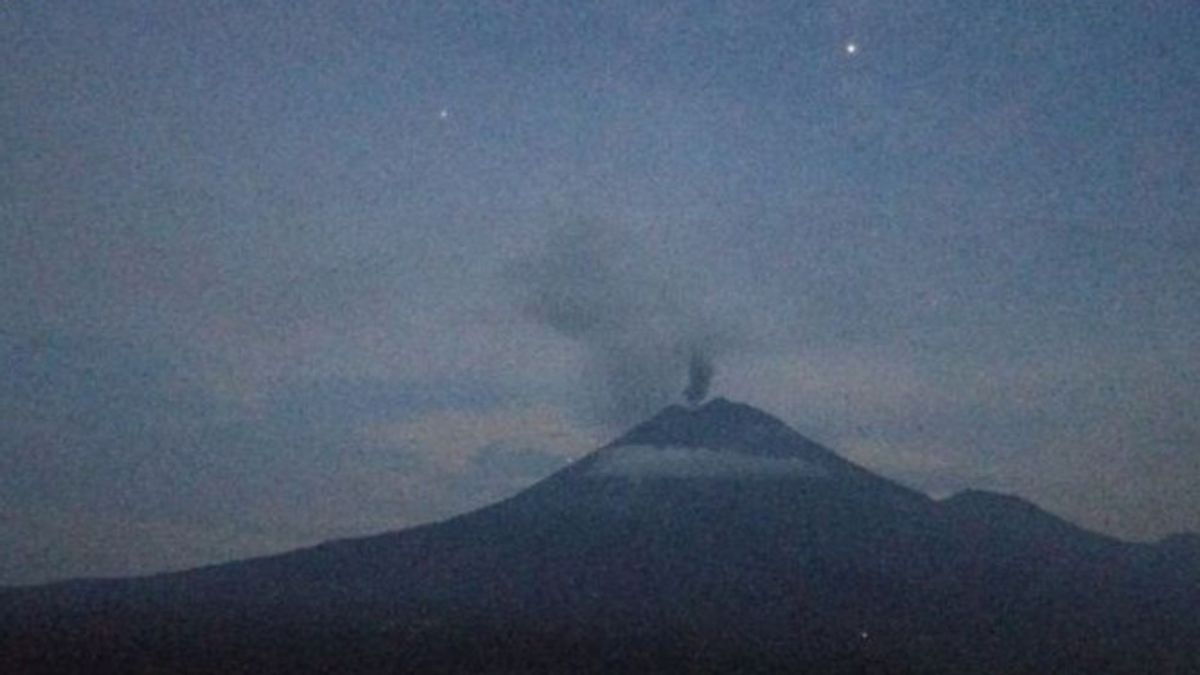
(699,562)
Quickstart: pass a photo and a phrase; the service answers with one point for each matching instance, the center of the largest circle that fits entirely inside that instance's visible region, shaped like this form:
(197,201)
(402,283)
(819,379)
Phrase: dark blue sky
(266,273)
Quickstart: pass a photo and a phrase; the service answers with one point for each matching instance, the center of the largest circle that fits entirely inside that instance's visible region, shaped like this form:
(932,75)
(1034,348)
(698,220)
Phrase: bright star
(851,48)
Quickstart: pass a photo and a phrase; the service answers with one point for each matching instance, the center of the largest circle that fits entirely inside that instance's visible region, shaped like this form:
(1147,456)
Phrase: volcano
(706,538)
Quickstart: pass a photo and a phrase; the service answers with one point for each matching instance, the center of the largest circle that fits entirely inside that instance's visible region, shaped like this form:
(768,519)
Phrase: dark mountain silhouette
(710,538)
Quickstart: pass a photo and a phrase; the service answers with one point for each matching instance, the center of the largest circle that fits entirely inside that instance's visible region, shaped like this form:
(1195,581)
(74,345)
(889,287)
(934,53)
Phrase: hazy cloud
(645,461)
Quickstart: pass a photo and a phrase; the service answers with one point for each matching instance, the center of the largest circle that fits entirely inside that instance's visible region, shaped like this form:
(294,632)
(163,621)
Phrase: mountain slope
(705,538)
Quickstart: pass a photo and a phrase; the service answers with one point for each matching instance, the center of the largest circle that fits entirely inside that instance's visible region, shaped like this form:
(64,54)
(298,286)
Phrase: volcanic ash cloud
(647,340)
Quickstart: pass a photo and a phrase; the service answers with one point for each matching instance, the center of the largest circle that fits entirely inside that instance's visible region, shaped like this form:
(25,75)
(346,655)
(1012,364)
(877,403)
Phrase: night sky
(275,273)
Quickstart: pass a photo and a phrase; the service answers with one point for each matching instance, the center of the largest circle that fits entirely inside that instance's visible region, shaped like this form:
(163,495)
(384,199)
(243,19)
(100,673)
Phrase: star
(851,48)
(443,114)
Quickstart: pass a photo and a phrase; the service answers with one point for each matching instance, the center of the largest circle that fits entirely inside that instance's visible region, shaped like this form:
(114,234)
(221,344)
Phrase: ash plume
(700,374)
(646,339)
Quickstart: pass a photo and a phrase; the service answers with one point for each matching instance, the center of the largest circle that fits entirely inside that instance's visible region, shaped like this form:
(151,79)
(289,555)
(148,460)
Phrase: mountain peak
(723,425)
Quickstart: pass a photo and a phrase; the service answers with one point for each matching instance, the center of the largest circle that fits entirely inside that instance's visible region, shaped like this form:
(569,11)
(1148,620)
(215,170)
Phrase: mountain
(711,538)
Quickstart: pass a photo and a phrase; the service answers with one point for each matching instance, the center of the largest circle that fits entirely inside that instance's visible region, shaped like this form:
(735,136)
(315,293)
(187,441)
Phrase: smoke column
(700,375)
(644,337)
